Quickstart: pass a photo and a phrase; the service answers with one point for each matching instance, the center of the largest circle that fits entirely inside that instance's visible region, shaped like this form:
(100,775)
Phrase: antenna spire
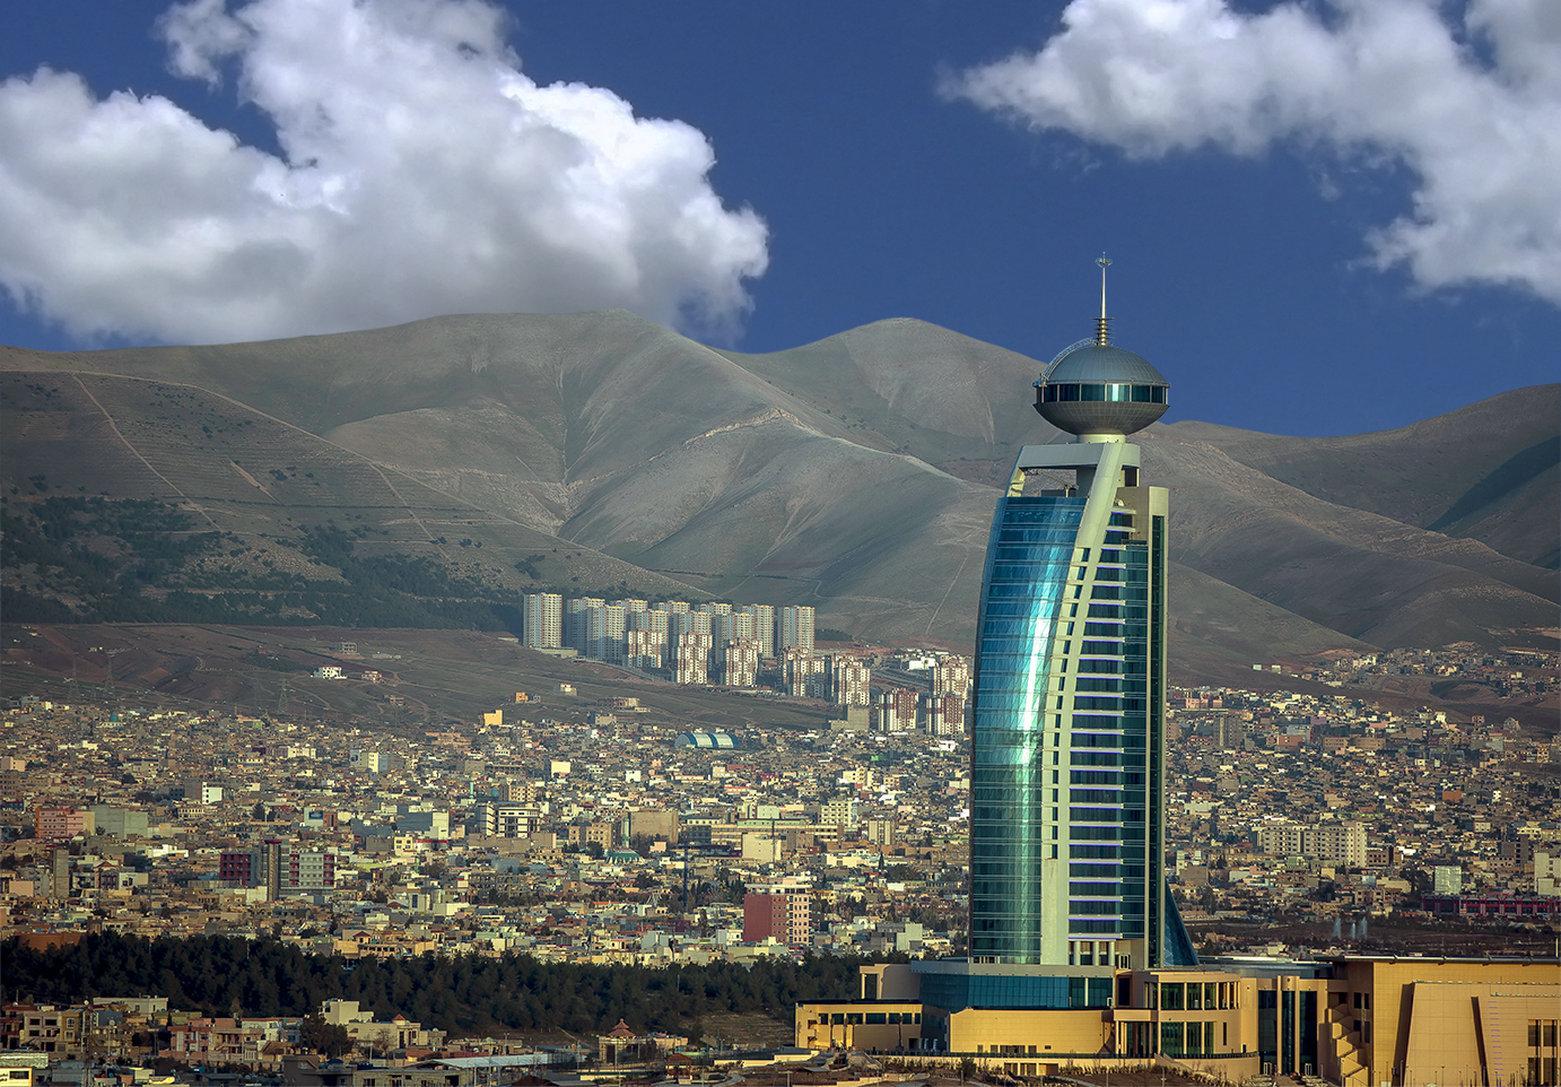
(1103,323)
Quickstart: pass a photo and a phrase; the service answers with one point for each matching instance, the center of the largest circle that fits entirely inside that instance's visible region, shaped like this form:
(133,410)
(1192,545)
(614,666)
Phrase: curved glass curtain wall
(1028,556)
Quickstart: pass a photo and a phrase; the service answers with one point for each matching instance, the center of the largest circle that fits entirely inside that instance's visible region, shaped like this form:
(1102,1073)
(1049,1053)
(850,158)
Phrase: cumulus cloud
(421,172)
(1469,103)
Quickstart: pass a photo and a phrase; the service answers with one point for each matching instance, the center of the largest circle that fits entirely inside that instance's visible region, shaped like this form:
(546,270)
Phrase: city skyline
(547,544)
(1078,957)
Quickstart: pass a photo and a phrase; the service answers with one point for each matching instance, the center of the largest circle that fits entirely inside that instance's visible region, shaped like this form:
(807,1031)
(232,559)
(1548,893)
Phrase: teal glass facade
(956,991)
(1105,793)
(1028,556)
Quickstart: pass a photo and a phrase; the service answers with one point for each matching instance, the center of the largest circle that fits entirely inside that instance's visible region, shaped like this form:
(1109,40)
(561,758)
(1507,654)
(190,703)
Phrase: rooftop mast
(1103,324)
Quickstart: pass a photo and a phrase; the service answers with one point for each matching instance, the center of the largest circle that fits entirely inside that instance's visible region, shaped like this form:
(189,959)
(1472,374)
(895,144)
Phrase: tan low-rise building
(1355,1021)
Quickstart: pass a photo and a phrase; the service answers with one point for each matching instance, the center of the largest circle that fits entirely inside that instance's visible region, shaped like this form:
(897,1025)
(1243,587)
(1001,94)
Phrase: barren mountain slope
(1487,471)
(257,495)
(592,451)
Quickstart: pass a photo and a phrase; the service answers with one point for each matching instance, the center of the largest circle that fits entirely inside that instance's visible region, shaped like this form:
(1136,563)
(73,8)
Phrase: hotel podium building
(1077,954)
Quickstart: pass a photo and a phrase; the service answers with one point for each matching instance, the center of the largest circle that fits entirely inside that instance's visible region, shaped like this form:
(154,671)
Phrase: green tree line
(217,975)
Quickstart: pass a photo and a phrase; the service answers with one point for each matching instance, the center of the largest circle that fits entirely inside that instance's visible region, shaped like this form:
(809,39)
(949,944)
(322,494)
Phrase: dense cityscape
(552,545)
(1297,823)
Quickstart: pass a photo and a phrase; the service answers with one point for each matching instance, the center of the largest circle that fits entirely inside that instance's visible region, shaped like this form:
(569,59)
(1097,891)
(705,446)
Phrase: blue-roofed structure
(714,740)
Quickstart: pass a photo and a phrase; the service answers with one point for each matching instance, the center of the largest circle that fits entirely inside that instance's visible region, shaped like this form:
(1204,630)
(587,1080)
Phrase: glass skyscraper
(1067,823)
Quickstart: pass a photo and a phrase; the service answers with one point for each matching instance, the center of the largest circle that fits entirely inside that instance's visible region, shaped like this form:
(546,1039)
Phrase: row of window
(1106,393)
(1192,995)
(871,1019)
(1191,1039)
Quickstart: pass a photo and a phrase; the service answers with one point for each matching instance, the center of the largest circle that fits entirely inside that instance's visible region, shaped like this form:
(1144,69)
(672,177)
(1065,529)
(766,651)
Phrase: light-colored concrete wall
(1039,1033)
(1404,991)
(815,1026)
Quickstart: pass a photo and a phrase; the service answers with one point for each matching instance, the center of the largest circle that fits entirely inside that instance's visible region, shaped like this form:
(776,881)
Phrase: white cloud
(1472,109)
(421,173)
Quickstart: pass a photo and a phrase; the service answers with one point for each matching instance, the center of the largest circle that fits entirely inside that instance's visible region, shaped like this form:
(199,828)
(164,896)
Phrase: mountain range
(427,474)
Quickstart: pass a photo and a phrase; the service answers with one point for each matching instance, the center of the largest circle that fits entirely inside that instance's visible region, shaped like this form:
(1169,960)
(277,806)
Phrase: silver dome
(1098,388)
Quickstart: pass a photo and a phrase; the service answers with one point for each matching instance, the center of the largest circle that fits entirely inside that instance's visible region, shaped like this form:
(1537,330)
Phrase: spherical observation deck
(1098,388)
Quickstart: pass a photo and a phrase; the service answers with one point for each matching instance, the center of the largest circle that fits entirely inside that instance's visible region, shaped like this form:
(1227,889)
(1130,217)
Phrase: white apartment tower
(794,627)
(850,681)
(763,619)
(605,625)
(691,657)
(803,675)
(543,621)
(575,633)
(645,649)
(740,663)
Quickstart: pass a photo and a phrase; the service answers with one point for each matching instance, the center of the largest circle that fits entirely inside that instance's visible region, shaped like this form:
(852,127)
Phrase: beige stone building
(1354,1021)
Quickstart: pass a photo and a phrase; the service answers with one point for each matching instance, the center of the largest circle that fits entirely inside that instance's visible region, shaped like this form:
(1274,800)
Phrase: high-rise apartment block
(763,618)
(850,681)
(636,633)
(576,628)
(691,657)
(803,675)
(279,867)
(740,663)
(720,614)
(950,674)
(543,621)
(794,627)
(896,708)
(781,913)
(645,649)
(943,715)
(605,625)
(1341,843)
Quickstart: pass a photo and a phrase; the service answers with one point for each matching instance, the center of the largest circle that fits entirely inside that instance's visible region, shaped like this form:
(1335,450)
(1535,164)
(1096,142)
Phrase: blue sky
(1245,259)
